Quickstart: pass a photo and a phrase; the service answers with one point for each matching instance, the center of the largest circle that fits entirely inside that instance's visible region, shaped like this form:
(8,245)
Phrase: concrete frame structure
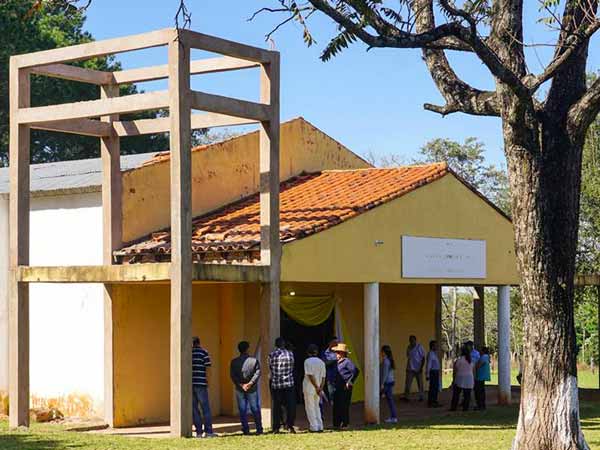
(79,118)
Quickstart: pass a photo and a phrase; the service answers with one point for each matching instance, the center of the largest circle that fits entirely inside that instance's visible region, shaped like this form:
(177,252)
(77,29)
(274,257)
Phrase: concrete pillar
(270,329)
(479,317)
(181,238)
(504,345)
(371,365)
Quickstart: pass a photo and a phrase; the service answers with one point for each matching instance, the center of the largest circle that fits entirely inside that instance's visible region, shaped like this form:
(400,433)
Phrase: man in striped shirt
(200,362)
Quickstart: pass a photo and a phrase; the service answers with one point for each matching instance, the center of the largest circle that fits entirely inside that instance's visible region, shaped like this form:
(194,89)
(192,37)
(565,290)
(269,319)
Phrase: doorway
(300,337)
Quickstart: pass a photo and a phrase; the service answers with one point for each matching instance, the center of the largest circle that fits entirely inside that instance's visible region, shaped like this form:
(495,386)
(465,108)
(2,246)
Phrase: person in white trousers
(312,387)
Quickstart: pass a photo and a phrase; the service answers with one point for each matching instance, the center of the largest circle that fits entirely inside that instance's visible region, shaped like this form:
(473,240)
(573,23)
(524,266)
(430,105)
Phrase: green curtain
(309,311)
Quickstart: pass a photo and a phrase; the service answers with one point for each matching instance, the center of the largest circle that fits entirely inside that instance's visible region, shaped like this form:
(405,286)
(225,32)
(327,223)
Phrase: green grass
(491,430)
(586,379)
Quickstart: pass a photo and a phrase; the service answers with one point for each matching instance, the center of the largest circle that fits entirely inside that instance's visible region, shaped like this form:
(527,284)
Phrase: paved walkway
(406,411)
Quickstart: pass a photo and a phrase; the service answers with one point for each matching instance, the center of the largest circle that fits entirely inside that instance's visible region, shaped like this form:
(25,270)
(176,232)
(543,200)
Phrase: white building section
(67,334)
(66,320)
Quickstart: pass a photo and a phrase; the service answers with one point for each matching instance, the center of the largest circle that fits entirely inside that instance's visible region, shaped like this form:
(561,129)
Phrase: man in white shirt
(415,354)
(312,387)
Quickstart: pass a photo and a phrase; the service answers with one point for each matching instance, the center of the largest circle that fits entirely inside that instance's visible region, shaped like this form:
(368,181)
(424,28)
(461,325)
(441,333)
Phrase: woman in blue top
(387,381)
(482,374)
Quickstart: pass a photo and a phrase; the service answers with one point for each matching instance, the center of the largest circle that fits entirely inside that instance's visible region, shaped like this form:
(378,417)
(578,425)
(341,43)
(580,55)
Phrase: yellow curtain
(309,311)
(358,392)
(313,310)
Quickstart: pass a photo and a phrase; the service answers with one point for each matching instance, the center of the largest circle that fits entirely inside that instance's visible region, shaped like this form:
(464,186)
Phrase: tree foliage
(31,25)
(468,161)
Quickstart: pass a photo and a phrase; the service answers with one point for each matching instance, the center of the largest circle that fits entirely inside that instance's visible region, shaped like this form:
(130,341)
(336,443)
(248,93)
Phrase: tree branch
(424,38)
(574,42)
(569,81)
(585,111)
(459,96)
(393,37)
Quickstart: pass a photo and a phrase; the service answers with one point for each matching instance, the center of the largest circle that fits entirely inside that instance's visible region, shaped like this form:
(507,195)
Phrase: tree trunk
(545,174)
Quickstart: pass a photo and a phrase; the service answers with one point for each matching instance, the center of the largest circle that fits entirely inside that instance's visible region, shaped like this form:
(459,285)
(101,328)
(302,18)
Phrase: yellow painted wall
(404,310)
(444,208)
(226,172)
(224,314)
(141,349)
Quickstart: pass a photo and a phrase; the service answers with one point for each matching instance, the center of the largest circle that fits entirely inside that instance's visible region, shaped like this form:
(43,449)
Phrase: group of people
(417,361)
(470,373)
(329,378)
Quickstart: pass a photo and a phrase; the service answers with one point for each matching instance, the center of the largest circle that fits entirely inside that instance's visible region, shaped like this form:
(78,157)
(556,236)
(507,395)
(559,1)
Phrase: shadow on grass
(31,442)
(493,419)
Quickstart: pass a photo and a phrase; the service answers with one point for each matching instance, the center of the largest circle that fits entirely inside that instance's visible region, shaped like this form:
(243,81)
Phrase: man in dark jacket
(346,375)
(245,373)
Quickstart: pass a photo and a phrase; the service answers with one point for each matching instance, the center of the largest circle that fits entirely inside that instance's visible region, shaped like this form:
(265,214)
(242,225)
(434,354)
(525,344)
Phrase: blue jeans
(245,400)
(388,392)
(201,422)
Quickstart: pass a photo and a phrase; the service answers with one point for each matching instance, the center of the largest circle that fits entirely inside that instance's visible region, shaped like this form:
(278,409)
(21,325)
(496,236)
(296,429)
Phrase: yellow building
(365,253)
(348,248)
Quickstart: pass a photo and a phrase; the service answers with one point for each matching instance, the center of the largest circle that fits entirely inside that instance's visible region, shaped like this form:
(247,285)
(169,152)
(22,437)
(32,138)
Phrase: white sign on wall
(424,257)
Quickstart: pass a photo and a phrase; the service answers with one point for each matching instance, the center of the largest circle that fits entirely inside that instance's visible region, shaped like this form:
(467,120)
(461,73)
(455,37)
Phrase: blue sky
(370,101)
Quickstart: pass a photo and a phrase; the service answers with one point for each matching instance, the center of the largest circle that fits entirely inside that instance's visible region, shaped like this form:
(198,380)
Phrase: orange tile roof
(308,204)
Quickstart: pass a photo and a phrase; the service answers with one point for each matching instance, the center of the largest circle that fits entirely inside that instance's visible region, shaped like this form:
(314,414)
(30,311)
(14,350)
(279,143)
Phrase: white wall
(66,320)
(3,295)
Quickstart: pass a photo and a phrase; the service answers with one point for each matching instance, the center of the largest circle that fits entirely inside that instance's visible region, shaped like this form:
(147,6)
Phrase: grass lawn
(491,430)
(586,379)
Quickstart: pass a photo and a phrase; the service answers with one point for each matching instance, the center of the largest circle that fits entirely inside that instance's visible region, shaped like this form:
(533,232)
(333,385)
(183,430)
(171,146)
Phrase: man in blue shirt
(200,362)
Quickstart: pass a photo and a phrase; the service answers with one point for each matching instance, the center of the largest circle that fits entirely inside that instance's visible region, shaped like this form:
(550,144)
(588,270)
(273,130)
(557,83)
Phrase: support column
(479,317)
(504,392)
(270,245)
(110,152)
(598,362)
(18,300)
(181,243)
(269,330)
(438,330)
(371,344)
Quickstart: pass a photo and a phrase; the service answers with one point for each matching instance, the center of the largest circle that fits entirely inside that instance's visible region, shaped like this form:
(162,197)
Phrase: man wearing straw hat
(346,376)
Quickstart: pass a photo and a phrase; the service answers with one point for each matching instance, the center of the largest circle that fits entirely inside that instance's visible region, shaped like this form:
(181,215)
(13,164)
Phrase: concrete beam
(18,292)
(181,238)
(591,279)
(139,273)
